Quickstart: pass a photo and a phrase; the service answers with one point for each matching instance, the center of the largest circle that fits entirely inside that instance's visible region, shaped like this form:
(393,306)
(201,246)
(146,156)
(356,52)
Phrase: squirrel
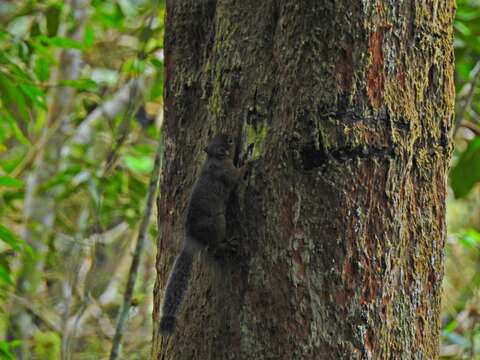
(205,221)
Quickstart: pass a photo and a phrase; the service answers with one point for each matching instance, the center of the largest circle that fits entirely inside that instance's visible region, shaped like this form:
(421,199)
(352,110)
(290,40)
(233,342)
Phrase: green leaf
(8,181)
(35,29)
(138,164)
(452,325)
(89,36)
(5,116)
(470,239)
(13,158)
(156,90)
(462,28)
(61,42)
(108,14)
(80,84)
(466,173)
(10,238)
(157,63)
(12,98)
(35,94)
(62,178)
(5,275)
(467,13)
(5,352)
(463,69)
(42,67)
(23,52)
(53,19)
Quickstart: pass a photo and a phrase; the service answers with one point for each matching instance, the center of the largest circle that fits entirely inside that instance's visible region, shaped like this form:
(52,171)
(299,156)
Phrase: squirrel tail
(176,286)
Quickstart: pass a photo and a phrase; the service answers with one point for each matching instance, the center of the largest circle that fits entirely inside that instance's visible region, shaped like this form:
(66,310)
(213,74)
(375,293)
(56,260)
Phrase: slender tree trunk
(339,232)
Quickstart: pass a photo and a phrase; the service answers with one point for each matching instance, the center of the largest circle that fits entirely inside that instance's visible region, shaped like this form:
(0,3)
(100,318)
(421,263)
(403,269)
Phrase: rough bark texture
(338,235)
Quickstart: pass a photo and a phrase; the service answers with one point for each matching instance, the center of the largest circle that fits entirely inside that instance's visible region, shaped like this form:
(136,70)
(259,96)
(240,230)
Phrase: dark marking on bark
(376,77)
(384,308)
(411,14)
(314,158)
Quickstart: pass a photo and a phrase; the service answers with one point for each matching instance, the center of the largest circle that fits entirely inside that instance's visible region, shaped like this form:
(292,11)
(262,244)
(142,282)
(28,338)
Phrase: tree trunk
(339,232)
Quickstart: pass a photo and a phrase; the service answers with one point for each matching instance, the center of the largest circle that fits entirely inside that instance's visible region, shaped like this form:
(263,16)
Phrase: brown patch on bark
(369,289)
(344,69)
(368,341)
(347,272)
(375,77)
(419,330)
(341,298)
(297,258)
(383,308)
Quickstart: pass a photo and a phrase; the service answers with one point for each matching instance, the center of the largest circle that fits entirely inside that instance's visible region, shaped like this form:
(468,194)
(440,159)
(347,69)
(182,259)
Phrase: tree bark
(338,234)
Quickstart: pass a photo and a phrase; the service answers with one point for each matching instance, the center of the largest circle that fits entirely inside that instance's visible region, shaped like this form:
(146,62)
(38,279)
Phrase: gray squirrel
(205,222)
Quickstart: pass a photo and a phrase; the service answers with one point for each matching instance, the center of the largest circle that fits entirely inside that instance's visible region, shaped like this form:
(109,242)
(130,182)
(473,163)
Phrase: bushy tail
(176,286)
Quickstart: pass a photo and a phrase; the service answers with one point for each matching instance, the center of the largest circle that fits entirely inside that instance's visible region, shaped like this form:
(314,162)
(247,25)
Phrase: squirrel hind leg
(167,325)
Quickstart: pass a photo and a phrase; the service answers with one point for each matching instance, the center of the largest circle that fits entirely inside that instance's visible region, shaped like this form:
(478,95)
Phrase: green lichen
(257,135)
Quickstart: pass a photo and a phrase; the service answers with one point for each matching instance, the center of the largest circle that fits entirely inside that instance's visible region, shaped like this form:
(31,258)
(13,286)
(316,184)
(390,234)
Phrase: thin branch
(107,237)
(472,127)
(132,277)
(124,127)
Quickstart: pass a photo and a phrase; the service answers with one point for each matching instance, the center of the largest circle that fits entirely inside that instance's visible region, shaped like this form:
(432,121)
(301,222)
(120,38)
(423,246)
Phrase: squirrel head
(220,147)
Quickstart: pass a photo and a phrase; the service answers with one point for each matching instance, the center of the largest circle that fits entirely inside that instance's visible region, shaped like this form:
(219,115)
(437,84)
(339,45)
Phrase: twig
(132,277)
(132,107)
(472,127)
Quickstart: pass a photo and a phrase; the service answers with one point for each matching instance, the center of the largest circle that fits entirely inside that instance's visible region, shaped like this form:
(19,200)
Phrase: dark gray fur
(205,221)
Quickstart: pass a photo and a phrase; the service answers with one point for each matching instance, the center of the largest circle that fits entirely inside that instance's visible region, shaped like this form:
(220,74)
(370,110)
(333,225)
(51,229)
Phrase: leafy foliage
(461,330)
(467,51)
(97,207)
(466,173)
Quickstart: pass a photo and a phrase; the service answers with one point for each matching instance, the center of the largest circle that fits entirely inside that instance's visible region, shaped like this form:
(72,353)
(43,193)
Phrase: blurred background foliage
(461,287)
(80,117)
(80,114)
